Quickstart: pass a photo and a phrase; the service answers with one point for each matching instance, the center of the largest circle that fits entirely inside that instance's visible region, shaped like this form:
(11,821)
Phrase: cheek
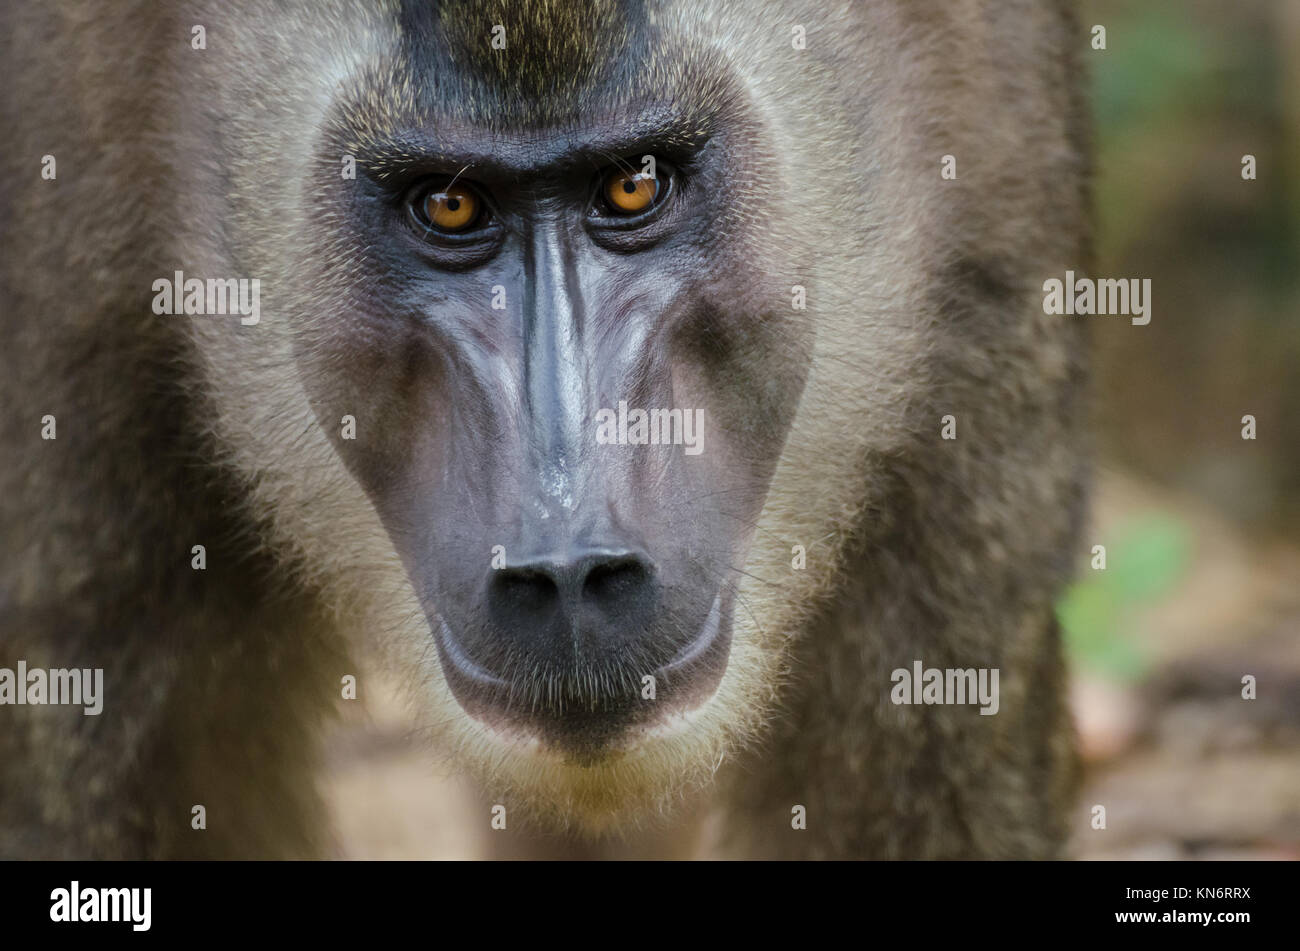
(376,397)
(748,369)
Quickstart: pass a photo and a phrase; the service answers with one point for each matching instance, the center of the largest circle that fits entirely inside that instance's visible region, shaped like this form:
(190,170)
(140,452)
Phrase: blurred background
(1201,527)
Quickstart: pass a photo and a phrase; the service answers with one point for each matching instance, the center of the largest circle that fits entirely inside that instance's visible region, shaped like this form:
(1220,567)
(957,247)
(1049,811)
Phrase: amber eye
(630,192)
(452,208)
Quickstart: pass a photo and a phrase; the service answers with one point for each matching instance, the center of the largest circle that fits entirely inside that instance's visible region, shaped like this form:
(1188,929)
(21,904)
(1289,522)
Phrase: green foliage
(1098,613)
(1156,67)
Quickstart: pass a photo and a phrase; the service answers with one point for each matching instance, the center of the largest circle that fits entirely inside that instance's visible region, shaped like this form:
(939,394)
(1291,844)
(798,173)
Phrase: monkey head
(537,337)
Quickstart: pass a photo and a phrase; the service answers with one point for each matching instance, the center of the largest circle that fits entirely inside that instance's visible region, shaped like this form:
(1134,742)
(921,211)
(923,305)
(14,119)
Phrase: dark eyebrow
(493,153)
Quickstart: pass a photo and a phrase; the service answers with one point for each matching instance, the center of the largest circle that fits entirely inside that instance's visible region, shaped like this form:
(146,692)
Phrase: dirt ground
(1184,767)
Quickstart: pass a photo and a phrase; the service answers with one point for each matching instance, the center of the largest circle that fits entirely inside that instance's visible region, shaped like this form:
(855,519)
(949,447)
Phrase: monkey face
(572,377)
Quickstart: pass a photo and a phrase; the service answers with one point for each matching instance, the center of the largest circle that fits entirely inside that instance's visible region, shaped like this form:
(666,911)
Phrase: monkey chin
(638,782)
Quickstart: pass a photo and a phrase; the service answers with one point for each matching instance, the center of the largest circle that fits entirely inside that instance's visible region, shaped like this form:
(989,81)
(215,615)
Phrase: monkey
(507,253)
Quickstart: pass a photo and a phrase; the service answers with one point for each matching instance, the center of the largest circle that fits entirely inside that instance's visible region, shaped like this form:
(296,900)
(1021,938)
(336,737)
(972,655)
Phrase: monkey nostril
(526,589)
(615,583)
(613,580)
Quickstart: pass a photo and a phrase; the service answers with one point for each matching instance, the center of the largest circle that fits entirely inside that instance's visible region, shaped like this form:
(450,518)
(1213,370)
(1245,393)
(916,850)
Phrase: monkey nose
(589,601)
(582,651)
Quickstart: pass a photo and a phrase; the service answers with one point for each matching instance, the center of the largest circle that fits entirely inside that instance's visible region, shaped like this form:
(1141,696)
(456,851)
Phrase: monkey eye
(626,192)
(449,208)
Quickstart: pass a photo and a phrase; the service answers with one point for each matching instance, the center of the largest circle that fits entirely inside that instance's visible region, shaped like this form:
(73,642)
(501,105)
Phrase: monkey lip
(682,684)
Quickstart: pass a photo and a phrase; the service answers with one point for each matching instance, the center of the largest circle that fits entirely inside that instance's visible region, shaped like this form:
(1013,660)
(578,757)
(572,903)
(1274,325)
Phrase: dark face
(510,289)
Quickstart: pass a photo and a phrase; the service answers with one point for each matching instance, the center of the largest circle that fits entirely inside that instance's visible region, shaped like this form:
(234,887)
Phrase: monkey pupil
(453,204)
(629,186)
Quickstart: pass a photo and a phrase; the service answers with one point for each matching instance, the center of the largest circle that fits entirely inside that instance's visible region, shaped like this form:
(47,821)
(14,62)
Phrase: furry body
(923,299)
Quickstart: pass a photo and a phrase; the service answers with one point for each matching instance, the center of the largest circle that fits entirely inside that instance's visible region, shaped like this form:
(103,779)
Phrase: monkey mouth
(590,717)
